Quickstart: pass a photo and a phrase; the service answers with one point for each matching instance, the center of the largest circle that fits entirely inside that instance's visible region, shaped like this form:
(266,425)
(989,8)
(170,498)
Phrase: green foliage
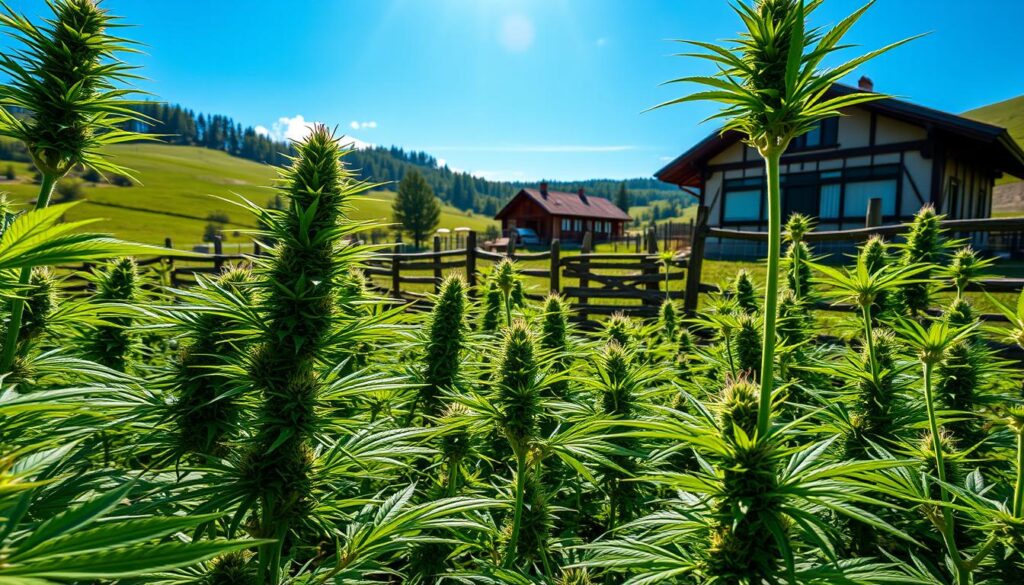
(114,344)
(208,409)
(300,279)
(447,339)
(492,315)
(668,318)
(415,208)
(69,78)
(748,345)
(743,289)
(925,245)
(619,328)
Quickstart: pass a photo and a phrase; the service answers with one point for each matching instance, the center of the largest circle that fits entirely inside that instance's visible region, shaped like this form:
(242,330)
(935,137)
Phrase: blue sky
(522,89)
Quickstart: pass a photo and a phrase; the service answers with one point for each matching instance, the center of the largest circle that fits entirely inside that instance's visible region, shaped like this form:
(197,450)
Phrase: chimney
(865,84)
(583,196)
(544,189)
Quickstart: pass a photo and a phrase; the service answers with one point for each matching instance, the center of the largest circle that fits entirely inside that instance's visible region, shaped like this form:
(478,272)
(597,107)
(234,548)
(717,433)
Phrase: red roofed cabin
(563,216)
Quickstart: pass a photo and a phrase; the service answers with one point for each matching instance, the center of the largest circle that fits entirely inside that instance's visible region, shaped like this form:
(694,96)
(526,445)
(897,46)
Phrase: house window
(824,135)
(566,225)
(857,195)
(743,205)
(578,226)
(829,200)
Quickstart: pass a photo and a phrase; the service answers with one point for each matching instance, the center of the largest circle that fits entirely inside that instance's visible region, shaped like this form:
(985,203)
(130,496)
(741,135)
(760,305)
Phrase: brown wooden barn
(563,216)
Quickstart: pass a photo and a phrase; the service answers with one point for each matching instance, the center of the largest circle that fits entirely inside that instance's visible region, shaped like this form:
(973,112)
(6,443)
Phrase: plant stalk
(869,339)
(517,517)
(18,304)
(771,291)
(948,526)
(1018,491)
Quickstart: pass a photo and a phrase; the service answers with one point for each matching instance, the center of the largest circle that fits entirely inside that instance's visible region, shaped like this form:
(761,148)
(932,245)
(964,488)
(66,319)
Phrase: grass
(1010,115)
(181,185)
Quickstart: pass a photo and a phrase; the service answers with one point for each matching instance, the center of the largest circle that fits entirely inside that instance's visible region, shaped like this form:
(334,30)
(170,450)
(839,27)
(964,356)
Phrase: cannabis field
(281,422)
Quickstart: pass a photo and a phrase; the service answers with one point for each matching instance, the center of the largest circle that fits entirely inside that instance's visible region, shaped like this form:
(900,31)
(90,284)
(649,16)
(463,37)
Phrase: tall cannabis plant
(69,83)
(774,89)
(441,357)
(299,281)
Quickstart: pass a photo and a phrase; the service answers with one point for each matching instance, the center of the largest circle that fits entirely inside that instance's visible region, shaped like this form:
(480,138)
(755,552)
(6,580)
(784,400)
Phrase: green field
(181,186)
(1010,115)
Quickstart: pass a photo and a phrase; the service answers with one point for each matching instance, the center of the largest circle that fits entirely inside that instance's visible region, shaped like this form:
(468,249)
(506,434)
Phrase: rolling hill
(1008,197)
(182,185)
(1009,114)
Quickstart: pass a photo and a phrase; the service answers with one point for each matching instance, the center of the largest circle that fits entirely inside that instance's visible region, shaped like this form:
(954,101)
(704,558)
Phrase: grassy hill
(181,186)
(1009,114)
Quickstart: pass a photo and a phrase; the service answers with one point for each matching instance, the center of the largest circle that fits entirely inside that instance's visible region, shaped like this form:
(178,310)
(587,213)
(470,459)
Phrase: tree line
(178,125)
(382,164)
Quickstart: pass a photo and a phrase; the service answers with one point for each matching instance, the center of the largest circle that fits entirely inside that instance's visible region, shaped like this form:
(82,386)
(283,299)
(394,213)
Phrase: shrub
(70,189)
(9,173)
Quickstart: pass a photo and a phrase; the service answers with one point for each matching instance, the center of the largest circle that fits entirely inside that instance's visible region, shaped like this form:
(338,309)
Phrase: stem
(453,476)
(771,292)
(948,527)
(1018,491)
(517,517)
(869,339)
(728,352)
(18,304)
(507,297)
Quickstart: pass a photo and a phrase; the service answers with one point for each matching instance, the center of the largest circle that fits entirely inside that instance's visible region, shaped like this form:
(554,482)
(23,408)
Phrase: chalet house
(563,216)
(906,155)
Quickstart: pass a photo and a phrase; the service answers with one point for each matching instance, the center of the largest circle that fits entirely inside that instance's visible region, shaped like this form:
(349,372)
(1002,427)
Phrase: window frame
(844,176)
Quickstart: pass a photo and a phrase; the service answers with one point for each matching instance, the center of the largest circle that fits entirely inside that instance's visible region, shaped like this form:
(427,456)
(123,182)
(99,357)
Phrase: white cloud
(357,125)
(297,127)
(500,175)
(541,148)
(516,33)
(665,158)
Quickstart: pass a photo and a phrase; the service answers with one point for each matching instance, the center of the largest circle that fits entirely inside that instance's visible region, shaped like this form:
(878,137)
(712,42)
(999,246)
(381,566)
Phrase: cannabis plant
(298,281)
(774,89)
(745,293)
(447,339)
(208,405)
(69,82)
(925,245)
(114,344)
(798,254)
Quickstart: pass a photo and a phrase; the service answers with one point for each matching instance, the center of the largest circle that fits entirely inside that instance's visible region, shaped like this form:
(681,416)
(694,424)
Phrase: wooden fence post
(556,266)
(471,262)
(652,249)
(170,263)
(584,265)
(510,248)
(691,296)
(396,272)
(218,253)
(437,264)
(874,216)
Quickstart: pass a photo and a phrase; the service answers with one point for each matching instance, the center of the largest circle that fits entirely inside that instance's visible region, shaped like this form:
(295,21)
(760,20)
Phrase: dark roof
(570,205)
(1000,148)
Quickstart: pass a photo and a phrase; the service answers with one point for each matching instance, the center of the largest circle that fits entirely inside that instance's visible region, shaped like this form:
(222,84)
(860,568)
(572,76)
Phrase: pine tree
(416,208)
(622,198)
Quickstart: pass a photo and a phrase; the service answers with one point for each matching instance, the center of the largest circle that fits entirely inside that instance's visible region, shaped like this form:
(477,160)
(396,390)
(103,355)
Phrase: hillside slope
(182,185)
(1009,114)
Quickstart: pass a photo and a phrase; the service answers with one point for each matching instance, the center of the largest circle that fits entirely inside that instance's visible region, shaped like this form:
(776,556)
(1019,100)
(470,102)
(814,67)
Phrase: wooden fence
(594,283)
